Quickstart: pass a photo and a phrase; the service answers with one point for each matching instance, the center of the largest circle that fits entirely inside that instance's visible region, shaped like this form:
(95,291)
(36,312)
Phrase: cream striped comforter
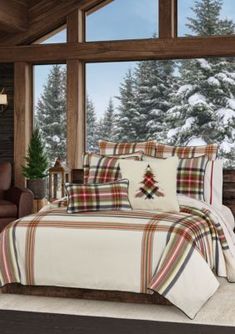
(176,254)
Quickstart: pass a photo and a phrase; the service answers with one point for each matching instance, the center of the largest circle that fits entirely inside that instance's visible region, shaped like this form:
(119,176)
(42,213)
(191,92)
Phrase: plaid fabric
(95,197)
(186,241)
(105,172)
(190,177)
(182,152)
(110,148)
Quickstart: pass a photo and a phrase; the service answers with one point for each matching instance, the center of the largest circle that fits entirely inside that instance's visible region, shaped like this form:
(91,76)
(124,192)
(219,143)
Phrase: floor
(219,310)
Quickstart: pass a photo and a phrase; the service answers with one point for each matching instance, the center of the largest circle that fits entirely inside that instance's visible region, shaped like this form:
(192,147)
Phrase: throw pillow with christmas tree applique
(152,185)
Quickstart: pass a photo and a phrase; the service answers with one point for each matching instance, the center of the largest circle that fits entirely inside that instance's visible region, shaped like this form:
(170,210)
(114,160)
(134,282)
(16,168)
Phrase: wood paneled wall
(7,118)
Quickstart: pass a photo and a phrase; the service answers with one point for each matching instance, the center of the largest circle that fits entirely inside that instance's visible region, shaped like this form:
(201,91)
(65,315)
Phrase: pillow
(110,148)
(213,183)
(190,177)
(152,185)
(103,169)
(95,197)
(166,151)
(102,163)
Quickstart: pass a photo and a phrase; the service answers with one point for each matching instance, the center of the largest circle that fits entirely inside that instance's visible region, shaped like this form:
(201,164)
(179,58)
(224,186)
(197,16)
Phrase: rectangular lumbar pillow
(110,148)
(152,185)
(100,162)
(95,197)
(166,151)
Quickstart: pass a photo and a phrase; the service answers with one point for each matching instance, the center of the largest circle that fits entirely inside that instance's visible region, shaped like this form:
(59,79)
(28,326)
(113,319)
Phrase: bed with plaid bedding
(175,254)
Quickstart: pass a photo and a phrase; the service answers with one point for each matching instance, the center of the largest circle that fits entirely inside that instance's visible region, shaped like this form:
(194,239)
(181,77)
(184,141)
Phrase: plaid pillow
(99,174)
(95,197)
(103,170)
(110,148)
(190,177)
(182,152)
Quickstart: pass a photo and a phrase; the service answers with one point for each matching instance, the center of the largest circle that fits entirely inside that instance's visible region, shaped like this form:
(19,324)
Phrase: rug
(14,322)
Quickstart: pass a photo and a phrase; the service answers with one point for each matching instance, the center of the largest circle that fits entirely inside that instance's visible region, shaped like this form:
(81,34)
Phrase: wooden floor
(14,322)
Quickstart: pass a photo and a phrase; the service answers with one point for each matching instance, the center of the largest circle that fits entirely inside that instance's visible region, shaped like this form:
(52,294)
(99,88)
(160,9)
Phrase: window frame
(77,52)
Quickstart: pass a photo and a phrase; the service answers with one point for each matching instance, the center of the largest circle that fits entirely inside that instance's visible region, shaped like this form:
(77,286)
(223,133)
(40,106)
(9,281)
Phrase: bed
(135,256)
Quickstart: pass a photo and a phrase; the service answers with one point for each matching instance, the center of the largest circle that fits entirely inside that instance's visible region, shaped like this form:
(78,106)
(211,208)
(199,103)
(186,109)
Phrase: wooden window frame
(77,52)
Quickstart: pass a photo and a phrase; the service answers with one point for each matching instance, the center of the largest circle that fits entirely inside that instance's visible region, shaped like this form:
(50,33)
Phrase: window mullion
(168,18)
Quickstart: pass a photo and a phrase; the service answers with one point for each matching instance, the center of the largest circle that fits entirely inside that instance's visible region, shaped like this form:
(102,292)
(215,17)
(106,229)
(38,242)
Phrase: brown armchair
(14,202)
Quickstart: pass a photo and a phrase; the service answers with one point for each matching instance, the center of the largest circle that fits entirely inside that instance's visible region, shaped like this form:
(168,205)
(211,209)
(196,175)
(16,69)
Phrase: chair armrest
(22,198)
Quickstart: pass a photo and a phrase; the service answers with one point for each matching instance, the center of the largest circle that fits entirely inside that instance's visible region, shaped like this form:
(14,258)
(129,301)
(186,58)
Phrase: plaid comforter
(174,254)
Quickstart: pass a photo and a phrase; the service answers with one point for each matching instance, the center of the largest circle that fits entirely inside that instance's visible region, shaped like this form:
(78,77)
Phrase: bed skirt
(117,296)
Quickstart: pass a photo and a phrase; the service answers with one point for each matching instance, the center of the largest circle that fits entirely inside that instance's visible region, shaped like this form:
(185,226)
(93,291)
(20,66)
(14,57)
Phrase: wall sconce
(3,101)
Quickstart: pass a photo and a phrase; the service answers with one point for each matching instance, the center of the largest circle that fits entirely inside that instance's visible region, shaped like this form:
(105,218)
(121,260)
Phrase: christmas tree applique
(150,186)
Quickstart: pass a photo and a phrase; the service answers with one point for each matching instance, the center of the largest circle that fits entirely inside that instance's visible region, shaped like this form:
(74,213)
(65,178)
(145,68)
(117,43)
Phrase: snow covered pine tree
(204,104)
(50,114)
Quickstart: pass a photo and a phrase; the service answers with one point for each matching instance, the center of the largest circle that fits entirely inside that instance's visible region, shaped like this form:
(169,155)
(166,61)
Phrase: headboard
(228,187)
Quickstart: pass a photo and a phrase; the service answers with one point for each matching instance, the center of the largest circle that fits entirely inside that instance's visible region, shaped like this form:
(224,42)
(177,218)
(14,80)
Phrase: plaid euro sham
(110,148)
(186,152)
(96,197)
(98,172)
(190,177)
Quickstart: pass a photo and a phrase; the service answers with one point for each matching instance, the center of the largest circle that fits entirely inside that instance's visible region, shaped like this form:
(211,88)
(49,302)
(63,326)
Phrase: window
(183,102)
(123,19)
(57,36)
(206,18)
(50,108)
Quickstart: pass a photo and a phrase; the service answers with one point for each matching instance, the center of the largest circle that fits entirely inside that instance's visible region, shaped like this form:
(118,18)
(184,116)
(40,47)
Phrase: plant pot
(38,187)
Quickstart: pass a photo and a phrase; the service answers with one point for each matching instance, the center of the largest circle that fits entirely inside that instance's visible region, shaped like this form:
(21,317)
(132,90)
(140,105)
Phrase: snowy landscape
(183,102)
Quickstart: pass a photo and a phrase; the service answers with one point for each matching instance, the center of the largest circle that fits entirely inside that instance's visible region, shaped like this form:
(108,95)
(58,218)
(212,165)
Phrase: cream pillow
(152,185)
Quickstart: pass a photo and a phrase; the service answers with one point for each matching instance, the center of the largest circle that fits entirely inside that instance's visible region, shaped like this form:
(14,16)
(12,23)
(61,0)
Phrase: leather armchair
(14,202)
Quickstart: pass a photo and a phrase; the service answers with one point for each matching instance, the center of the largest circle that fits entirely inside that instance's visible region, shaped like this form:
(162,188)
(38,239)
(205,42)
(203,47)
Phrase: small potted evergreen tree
(36,166)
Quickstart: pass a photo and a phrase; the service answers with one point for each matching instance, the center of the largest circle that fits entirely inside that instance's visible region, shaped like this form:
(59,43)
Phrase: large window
(206,18)
(50,108)
(123,19)
(183,102)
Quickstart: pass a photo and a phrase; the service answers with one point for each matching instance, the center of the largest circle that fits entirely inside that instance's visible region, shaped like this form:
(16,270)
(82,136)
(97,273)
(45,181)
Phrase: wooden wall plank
(22,117)
(7,117)
(168,18)
(173,48)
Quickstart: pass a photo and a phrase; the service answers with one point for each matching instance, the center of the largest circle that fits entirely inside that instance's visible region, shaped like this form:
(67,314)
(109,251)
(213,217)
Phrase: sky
(121,19)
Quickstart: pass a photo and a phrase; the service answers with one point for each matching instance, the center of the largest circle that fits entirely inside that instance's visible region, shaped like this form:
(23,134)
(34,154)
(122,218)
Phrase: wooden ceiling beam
(13,16)
(46,16)
(173,48)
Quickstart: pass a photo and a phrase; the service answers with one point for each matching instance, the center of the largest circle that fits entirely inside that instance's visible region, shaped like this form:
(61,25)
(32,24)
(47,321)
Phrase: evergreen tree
(144,100)
(106,128)
(207,20)
(204,102)
(36,159)
(91,126)
(51,114)
(127,116)
(161,83)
